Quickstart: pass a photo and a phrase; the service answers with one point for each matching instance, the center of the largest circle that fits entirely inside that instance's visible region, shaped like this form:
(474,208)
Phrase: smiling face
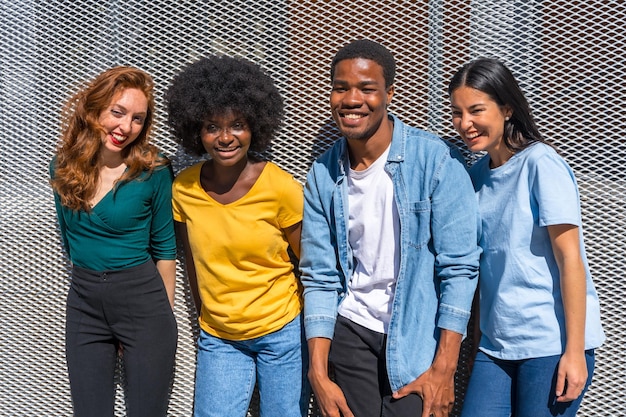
(123,119)
(226,138)
(359,99)
(479,120)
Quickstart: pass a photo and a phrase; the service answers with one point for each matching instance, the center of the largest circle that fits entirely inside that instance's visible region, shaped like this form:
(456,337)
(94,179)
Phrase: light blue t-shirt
(521,309)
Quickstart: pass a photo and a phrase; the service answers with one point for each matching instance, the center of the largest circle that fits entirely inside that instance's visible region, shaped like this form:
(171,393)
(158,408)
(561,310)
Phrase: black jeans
(106,310)
(357,356)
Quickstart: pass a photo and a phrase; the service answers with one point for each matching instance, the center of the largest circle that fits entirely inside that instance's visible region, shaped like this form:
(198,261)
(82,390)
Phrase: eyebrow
(360,83)
(141,113)
(237,119)
(471,107)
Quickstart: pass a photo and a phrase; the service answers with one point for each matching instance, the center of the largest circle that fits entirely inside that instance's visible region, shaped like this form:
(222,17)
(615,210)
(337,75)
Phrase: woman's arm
(572,366)
(293,237)
(183,237)
(162,238)
(167,269)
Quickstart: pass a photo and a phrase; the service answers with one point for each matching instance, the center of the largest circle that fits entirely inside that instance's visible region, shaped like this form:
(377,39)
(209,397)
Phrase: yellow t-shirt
(245,278)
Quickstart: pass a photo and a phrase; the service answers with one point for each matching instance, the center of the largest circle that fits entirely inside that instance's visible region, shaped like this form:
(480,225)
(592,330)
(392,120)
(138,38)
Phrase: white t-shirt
(374,236)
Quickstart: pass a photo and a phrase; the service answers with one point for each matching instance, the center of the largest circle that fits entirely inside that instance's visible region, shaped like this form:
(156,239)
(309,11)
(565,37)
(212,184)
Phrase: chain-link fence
(568,55)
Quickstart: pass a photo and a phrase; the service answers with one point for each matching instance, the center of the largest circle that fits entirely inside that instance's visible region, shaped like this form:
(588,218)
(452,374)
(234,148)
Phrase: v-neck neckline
(238,200)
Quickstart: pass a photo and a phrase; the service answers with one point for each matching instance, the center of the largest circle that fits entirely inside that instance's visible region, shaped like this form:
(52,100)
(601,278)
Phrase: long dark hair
(493,78)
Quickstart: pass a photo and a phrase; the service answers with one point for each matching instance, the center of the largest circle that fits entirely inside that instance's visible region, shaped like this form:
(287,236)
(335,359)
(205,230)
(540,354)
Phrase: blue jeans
(520,388)
(227,371)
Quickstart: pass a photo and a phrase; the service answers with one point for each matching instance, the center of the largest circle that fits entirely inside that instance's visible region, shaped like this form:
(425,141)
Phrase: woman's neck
(110,159)
(499,156)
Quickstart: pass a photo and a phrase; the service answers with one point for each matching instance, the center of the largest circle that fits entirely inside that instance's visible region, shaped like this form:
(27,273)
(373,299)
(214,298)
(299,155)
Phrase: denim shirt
(439,255)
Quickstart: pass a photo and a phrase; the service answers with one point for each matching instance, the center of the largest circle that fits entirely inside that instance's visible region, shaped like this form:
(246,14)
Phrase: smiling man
(389,253)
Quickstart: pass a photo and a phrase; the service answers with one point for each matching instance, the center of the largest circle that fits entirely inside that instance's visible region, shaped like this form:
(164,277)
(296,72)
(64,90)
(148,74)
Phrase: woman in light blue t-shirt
(539,311)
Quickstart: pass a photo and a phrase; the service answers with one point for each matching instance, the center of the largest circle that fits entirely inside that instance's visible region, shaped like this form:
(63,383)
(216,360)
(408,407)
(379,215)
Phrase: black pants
(357,356)
(126,308)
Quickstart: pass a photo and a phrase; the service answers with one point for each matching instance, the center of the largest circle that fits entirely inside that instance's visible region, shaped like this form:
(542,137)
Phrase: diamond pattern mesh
(569,57)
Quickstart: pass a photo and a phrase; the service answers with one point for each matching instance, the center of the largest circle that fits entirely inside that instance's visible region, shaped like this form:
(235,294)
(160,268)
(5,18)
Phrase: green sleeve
(162,237)
(59,210)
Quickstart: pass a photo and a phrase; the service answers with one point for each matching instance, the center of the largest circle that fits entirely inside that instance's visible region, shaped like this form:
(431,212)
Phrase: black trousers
(357,356)
(127,309)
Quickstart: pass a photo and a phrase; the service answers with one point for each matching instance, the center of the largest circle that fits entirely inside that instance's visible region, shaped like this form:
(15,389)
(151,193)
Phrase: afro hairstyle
(367,49)
(215,85)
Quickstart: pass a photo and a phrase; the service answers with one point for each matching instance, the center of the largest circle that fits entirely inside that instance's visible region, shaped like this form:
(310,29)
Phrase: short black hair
(216,84)
(367,49)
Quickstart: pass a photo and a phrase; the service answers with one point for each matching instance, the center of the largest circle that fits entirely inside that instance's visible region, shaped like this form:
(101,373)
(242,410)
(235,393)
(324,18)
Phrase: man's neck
(364,152)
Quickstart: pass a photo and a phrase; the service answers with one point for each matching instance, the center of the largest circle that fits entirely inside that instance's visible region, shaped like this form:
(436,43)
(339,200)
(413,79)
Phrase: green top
(129,226)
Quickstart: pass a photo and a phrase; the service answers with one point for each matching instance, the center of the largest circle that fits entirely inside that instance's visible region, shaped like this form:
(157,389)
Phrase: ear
(390,91)
(508,111)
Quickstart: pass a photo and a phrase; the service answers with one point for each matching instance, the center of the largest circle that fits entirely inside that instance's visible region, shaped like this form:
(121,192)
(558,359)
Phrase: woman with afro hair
(237,216)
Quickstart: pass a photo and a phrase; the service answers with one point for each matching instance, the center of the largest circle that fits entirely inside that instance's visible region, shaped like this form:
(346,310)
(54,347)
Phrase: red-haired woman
(113,198)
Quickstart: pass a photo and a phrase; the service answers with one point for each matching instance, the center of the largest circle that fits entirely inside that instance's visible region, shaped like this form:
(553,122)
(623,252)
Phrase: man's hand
(329,397)
(436,385)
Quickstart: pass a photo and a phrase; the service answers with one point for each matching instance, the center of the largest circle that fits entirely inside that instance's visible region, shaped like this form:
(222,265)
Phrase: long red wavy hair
(77,170)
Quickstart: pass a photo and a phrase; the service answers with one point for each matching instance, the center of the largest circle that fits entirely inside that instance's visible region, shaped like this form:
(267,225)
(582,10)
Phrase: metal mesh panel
(568,55)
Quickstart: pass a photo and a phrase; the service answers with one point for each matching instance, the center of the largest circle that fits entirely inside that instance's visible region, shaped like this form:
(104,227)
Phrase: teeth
(471,135)
(352,116)
(226,149)
(118,137)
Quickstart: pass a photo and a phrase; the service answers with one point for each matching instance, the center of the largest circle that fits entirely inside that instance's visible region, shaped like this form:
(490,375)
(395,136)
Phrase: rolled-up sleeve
(321,277)
(455,233)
